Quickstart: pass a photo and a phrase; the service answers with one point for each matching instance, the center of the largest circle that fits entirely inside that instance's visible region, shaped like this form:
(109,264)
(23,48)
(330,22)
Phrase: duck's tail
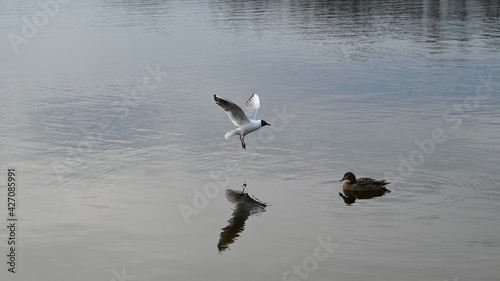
(231,133)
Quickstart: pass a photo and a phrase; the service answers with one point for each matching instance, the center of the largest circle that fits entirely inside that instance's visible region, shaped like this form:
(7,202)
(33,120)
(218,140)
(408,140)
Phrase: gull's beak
(342,179)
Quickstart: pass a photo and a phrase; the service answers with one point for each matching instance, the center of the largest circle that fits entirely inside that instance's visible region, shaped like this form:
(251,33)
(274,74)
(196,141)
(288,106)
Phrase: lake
(122,172)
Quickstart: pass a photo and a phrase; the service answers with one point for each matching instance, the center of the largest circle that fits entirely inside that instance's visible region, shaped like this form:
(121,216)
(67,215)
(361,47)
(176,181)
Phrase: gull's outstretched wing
(251,106)
(234,112)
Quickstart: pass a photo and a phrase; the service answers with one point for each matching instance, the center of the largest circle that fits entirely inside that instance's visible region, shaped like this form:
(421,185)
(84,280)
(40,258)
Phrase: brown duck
(362,184)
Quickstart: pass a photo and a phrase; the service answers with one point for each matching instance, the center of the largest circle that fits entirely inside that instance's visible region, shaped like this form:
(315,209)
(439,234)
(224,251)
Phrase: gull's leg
(243,144)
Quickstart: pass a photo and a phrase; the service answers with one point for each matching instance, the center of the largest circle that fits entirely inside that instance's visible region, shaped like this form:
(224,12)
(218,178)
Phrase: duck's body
(362,184)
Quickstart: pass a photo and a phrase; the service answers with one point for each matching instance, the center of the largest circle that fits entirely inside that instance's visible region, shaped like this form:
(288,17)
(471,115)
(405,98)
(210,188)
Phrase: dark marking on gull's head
(264,123)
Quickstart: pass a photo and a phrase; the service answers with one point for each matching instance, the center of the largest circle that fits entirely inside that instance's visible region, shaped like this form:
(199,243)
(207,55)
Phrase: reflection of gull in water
(244,207)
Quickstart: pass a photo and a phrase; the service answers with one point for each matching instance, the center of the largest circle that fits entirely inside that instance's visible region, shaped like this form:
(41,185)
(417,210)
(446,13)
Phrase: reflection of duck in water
(244,207)
(362,188)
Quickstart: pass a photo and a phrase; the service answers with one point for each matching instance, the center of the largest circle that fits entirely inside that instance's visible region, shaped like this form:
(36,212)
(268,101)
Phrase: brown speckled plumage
(362,184)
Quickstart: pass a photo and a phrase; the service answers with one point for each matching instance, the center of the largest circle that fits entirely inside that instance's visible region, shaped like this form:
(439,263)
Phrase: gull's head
(264,123)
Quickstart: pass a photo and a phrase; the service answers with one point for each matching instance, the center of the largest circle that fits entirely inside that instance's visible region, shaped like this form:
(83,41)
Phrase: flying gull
(244,119)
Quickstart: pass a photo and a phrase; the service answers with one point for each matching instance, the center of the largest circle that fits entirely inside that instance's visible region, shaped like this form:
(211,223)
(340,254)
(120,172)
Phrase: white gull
(244,119)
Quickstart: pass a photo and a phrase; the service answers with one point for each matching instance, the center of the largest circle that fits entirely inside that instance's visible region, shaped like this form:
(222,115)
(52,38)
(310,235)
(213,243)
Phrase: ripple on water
(467,191)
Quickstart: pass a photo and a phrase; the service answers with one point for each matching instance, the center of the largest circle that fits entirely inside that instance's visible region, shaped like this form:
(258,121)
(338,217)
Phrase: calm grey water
(107,114)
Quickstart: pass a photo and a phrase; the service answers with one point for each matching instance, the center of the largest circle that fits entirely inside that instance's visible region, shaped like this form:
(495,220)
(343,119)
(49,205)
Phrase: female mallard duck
(362,184)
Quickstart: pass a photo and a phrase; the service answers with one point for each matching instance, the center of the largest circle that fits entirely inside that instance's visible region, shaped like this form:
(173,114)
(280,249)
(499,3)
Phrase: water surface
(108,116)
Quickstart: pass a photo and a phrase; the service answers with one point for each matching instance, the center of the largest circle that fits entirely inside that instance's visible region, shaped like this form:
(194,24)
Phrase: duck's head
(349,177)
(264,123)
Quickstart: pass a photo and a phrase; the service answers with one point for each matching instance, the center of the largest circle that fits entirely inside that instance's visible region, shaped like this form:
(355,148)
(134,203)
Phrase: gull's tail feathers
(231,133)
